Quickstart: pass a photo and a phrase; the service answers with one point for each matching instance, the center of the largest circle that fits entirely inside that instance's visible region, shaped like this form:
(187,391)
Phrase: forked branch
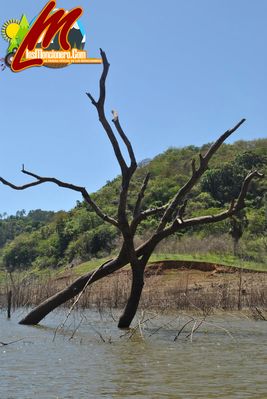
(196,174)
(127,172)
(125,139)
(235,206)
(100,106)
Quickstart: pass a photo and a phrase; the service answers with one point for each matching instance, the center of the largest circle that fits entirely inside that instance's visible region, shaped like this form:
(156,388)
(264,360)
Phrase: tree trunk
(134,298)
(235,246)
(47,306)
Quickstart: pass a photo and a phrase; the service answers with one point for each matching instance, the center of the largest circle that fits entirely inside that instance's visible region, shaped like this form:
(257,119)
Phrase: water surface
(100,363)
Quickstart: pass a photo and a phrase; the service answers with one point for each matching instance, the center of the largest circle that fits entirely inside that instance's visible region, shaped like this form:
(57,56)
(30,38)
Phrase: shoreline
(169,285)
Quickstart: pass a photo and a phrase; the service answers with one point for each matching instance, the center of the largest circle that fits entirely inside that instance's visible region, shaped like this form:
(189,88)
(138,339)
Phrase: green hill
(47,239)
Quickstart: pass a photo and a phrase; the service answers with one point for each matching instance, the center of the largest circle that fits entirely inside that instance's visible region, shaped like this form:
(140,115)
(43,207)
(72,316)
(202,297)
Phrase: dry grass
(177,289)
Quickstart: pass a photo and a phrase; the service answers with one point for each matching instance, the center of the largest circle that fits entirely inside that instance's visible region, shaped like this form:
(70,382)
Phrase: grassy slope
(220,260)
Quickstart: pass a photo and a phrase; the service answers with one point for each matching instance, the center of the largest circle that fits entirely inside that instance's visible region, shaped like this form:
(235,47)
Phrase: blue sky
(182,72)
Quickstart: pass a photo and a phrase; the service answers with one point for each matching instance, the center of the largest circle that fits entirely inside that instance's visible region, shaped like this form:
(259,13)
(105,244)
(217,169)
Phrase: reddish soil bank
(161,266)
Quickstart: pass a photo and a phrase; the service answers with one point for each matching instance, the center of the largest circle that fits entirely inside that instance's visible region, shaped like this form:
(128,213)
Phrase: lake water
(212,363)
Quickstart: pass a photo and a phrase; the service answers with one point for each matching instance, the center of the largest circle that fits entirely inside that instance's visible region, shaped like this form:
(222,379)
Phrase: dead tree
(171,215)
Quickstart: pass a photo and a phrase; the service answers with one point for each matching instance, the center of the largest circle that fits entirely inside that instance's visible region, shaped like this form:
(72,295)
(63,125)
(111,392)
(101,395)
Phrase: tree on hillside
(172,215)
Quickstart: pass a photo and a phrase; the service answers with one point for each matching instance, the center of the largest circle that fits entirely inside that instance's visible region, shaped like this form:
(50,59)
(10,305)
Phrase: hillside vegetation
(43,239)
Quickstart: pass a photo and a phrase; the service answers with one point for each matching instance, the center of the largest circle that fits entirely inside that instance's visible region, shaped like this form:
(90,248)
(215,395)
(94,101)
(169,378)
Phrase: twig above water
(11,342)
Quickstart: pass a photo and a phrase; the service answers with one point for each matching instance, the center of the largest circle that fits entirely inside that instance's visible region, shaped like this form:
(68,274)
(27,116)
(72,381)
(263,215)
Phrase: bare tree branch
(23,187)
(153,211)
(141,196)
(82,190)
(234,207)
(240,204)
(100,104)
(196,174)
(145,214)
(126,171)
(125,139)
(214,148)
